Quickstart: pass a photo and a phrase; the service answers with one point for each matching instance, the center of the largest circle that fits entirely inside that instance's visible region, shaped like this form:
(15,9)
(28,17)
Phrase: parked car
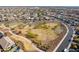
(77,32)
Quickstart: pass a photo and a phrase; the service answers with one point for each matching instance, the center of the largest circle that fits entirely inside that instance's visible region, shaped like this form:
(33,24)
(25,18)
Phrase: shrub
(31,35)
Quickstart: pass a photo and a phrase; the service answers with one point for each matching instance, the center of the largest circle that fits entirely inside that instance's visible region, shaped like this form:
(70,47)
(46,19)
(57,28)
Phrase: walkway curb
(62,38)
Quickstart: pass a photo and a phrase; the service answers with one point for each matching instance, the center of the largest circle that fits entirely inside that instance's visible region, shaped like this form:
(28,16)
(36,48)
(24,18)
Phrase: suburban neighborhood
(39,29)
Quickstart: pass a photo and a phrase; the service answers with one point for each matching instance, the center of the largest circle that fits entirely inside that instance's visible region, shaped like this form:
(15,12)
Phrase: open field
(44,36)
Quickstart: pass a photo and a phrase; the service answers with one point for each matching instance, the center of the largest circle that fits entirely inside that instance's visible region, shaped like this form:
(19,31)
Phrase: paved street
(66,41)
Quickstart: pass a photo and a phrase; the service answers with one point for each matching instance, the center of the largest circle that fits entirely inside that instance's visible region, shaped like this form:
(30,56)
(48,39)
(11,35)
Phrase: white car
(66,50)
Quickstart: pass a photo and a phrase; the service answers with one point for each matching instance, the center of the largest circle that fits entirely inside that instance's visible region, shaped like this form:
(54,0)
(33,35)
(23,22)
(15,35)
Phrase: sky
(39,2)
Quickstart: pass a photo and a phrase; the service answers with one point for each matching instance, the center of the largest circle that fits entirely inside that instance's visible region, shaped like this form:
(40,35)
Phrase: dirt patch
(55,42)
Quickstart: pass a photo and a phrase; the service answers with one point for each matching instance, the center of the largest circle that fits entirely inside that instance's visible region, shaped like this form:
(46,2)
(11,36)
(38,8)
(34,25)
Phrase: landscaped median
(40,37)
